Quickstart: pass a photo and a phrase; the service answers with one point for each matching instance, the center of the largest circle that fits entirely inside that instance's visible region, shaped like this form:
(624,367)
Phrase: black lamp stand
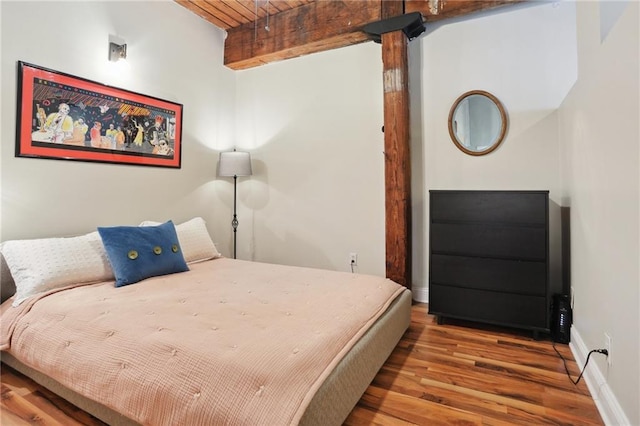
(234,163)
(234,222)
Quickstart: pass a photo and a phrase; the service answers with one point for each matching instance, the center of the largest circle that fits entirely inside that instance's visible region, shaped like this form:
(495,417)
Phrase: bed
(223,342)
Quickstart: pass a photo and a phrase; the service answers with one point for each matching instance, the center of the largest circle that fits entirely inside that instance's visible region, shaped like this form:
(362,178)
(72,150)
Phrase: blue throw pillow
(139,252)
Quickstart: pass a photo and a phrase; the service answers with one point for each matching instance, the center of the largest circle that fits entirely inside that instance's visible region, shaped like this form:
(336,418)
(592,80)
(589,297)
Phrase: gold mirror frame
(503,128)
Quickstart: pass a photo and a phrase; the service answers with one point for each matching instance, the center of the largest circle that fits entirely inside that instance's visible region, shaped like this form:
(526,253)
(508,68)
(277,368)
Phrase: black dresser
(489,258)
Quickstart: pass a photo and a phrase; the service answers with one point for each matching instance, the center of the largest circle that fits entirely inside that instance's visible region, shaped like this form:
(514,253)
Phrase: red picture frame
(64,117)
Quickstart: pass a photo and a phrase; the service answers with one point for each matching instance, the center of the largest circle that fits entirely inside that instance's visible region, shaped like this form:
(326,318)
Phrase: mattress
(229,382)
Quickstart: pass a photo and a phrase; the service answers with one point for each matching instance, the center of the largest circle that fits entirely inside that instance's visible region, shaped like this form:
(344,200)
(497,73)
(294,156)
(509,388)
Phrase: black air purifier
(561,318)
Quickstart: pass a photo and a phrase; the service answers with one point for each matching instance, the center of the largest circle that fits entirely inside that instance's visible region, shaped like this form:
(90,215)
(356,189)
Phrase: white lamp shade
(234,163)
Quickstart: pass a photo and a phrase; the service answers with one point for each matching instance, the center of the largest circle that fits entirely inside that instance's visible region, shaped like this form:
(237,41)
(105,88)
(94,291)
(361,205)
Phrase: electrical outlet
(607,346)
(353,259)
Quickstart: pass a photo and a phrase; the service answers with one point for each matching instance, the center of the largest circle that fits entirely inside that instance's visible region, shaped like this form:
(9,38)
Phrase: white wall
(600,134)
(313,125)
(526,57)
(173,55)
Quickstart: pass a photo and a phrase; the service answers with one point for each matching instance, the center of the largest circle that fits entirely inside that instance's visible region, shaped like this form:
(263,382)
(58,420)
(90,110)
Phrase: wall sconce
(117,51)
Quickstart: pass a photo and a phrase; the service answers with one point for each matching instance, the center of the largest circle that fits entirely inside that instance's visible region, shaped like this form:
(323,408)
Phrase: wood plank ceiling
(263,31)
(228,14)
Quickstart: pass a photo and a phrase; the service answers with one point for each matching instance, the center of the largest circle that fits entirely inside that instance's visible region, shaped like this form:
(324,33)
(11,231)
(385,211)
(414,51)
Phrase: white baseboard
(420,294)
(606,402)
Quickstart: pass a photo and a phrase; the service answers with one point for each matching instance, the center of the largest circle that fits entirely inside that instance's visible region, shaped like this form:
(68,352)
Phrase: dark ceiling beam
(314,27)
(325,25)
(437,10)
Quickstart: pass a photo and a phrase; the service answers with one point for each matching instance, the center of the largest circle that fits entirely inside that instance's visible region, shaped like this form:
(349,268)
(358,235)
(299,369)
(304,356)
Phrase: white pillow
(194,239)
(44,264)
(7,286)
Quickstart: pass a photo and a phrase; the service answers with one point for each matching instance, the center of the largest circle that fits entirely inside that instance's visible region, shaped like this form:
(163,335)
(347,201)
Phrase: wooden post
(396,148)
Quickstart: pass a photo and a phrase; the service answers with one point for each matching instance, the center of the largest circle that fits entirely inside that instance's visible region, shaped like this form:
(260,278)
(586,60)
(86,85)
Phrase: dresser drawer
(487,306)
(489,206)
(509,276)
(527,243)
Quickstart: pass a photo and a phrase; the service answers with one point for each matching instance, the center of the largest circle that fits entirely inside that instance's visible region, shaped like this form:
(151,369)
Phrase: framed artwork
(61,116)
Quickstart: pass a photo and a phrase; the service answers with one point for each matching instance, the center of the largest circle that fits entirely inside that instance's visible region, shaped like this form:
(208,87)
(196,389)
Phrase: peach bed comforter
(227,342)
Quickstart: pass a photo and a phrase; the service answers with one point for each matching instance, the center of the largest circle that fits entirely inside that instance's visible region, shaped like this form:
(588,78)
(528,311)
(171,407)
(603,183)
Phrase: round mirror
(477,122)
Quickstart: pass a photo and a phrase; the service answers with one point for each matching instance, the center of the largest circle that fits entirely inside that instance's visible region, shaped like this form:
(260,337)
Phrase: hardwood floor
(438,375)
(450,374)
(24,402)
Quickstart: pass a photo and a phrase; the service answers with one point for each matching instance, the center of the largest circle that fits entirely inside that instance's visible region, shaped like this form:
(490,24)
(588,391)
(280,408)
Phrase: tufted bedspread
(229,341)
